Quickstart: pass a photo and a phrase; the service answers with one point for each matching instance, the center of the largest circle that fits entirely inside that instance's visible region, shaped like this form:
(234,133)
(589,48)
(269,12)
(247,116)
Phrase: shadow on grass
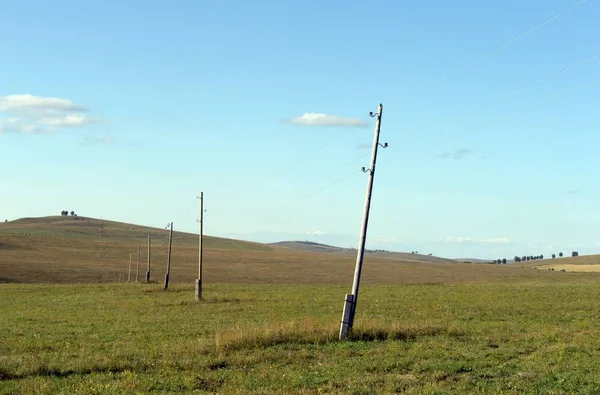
(6,280)
(298,334)
(46,371)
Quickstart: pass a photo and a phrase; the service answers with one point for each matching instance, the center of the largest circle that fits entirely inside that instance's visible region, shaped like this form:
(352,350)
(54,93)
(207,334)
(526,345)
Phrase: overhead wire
(503,46)
(542,103)
(301,160)
(330,185)
(527,109)
(519,91)
(334,170)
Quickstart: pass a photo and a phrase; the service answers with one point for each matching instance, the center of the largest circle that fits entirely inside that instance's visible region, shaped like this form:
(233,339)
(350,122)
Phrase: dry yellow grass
(67,250)
(581,264)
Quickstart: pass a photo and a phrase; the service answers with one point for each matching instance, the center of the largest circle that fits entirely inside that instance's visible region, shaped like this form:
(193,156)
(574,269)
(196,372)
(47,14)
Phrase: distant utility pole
(169,258)
(129,273)
(351,299)
(148,269)
(200,234)
(137,271)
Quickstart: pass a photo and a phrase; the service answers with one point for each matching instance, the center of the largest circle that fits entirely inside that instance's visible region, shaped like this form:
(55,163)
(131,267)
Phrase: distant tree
(574,254)
(542,256)
(560,254)
(72,213)
(523,258)
(498,261)
(504,261)
(528,258)
(517,259)
(553,256)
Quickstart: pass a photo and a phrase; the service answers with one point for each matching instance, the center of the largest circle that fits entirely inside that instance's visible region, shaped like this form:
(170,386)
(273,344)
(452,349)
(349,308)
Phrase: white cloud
(316,233)
(320,119)
(500,240)
(456,154)
(35,104)
(35,114)
(98,140)
(69,120)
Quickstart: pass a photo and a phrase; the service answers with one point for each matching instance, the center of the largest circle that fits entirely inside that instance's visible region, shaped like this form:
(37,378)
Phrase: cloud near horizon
(35,114)
(316,233)
(98,140)
(500,240)
(320,119)
(456,154)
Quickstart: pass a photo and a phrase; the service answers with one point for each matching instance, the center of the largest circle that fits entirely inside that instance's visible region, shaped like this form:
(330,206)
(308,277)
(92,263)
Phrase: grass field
(78,249)
(270,318)
(539,337)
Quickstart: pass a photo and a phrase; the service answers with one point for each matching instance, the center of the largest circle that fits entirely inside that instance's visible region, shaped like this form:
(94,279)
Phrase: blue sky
(126,110)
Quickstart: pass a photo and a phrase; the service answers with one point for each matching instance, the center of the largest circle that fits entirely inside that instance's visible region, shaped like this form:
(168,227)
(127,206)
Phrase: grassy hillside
(66,250)
(308,246)
(111,232)
(323,248)
(588,263)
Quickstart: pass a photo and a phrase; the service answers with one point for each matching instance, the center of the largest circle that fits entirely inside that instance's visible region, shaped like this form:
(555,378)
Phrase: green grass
(539,336)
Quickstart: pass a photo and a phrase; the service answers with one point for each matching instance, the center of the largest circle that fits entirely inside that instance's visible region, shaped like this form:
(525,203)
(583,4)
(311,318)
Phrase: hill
(309,246)
(324,248)
(111,231)
(80,249)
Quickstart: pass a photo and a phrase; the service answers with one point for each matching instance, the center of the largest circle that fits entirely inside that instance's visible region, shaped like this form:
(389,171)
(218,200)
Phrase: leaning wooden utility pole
(129,272)
(169,258)
(137,270)
(200,234)
(148,269)
(351,299)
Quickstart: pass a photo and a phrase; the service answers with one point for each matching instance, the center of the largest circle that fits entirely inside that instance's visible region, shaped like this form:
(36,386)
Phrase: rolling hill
(79,249)
(324,248)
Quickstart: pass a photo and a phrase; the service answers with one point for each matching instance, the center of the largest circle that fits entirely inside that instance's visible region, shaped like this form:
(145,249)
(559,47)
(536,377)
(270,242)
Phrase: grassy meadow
(270,318)
(537,337)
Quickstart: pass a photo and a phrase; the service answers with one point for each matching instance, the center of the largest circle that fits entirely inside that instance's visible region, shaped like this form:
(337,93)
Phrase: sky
(127,110)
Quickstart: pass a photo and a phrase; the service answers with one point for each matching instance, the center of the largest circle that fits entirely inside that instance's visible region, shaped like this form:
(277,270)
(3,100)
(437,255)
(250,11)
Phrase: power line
(301,160)
(500,48)
(543,103)
(334,170)
(330,185)
(188,210)
(540,104)
(521,90)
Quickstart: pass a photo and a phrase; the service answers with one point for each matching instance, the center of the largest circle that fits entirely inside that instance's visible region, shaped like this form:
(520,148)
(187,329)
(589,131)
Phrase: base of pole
(166,281)
(147,277)
(198,289)
(347,317)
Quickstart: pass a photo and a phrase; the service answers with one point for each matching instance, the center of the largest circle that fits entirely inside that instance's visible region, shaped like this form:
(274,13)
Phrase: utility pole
(137,270)
(351,299)
(200,234)
(169,258)
(148,269)
(129,273)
